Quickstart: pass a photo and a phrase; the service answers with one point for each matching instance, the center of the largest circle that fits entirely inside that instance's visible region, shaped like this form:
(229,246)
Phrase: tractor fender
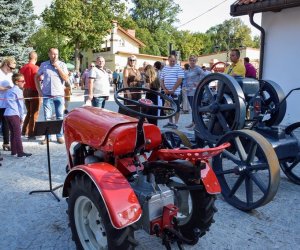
(210,180)
(119,198)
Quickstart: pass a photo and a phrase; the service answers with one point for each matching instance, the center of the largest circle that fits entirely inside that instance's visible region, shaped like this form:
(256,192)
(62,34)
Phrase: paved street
(38,221)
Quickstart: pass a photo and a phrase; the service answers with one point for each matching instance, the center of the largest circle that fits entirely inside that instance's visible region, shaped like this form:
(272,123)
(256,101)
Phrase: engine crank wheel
(291,167)
(175,139)
(271,96)
(196,207)
(89,220)
(248,171)
(218,107)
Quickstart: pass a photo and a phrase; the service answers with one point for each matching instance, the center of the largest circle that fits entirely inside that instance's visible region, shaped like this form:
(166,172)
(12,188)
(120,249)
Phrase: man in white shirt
(98,84)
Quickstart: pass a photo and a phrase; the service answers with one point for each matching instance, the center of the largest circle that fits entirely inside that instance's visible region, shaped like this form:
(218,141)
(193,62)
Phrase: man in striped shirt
(171,78)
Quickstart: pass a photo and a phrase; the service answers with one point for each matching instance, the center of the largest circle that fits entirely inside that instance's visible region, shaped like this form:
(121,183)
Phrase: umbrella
(70,66)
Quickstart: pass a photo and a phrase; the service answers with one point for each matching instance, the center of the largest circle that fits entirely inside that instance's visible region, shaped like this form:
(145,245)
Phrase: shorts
(177,100)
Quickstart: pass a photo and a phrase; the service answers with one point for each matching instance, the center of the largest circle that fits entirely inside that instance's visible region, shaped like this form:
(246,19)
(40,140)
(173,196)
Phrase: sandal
(6,147)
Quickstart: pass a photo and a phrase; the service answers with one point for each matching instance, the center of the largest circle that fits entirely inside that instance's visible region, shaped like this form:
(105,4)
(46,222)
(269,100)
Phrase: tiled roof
(245,7)
(242,2)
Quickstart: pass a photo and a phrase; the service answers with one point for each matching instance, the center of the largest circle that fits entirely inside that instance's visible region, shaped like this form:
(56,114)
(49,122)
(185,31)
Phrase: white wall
(282,55)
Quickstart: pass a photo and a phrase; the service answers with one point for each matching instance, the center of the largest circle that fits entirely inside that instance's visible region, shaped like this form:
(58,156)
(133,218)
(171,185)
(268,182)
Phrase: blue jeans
(58,103)
(98,102)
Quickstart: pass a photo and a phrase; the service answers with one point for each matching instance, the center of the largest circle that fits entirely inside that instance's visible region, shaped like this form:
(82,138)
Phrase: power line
(203,13)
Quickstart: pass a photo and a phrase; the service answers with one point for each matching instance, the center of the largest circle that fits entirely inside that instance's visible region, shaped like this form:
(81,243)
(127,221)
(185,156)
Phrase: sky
(190,10)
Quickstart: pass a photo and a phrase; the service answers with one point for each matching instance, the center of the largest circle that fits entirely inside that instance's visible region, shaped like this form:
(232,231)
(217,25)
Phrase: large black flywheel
(271,96)
(248,171)
(218,107)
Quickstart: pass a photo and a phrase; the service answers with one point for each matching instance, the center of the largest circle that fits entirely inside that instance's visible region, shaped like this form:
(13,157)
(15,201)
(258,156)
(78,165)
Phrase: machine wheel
(196,207)
(271,95)
(175,139)
(218,111)
(216,67)
(252,161)
(291,168)
(89,220)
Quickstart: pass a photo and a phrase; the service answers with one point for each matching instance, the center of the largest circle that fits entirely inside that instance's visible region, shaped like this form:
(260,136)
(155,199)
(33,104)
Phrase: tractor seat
(191,155)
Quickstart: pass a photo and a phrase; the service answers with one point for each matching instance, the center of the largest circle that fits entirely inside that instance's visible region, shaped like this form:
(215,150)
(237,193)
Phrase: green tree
(83,23)
(153,14)
(189,43)
(154,20)
(256,42)
(232,33)
(16,26)
(45,38)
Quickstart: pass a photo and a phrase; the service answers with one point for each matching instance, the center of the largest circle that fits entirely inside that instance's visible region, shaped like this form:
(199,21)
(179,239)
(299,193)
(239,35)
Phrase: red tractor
(123,176)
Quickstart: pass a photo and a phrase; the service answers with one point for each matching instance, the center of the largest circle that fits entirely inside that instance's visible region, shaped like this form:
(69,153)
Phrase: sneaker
(168,125)
(24,155)
(13,154)
(190,125)
(43,142)
(60,140)
(174,126)
(191,128)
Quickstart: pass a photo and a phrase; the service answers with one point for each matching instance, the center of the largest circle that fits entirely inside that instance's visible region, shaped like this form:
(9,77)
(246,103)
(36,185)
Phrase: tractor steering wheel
(143,103)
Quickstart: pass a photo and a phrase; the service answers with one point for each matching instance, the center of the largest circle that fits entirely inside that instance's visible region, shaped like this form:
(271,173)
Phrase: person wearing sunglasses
(131,78)
(14,115)
(6,71)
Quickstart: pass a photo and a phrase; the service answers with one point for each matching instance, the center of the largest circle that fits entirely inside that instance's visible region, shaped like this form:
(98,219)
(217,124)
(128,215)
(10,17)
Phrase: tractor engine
(155,199)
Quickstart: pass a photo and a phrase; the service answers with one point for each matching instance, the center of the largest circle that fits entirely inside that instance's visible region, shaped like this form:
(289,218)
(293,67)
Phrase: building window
(121,43)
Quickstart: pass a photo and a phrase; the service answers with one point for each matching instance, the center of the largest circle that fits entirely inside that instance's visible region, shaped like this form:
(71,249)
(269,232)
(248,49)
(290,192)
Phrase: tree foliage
(45,38)
(232,33)
(154,15)
(83,23)
(16,26)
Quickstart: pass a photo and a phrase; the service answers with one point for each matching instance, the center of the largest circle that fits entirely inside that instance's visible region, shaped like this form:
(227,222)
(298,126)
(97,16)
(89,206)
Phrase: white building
(117,47)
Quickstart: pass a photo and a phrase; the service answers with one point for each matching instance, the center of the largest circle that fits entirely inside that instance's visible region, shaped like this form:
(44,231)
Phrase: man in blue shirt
(55,74)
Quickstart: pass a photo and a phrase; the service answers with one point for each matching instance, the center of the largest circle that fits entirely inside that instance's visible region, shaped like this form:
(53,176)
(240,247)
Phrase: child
(14,114)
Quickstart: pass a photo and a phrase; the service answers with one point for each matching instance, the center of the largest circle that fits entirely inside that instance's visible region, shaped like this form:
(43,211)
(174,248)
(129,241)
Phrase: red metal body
(107,130)
(121,202)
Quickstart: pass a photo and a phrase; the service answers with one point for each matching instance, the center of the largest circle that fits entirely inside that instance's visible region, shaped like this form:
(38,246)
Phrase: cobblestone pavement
(38,221)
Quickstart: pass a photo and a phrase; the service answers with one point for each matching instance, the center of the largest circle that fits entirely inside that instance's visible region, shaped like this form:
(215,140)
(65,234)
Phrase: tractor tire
(89,219)
(196,208)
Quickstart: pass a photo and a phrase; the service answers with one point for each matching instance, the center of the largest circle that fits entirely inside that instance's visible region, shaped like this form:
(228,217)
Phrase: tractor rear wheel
(196,207)
(175,139)
(89,220)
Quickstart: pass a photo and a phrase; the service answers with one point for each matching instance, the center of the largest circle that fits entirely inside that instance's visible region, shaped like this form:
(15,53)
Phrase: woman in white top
(6,69)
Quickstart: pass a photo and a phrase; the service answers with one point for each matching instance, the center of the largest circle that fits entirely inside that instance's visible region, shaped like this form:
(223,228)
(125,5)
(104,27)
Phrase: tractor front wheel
(89,220)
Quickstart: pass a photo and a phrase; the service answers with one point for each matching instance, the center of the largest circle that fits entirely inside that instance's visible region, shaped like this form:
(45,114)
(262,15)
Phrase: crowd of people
(30,87)
(51,84)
